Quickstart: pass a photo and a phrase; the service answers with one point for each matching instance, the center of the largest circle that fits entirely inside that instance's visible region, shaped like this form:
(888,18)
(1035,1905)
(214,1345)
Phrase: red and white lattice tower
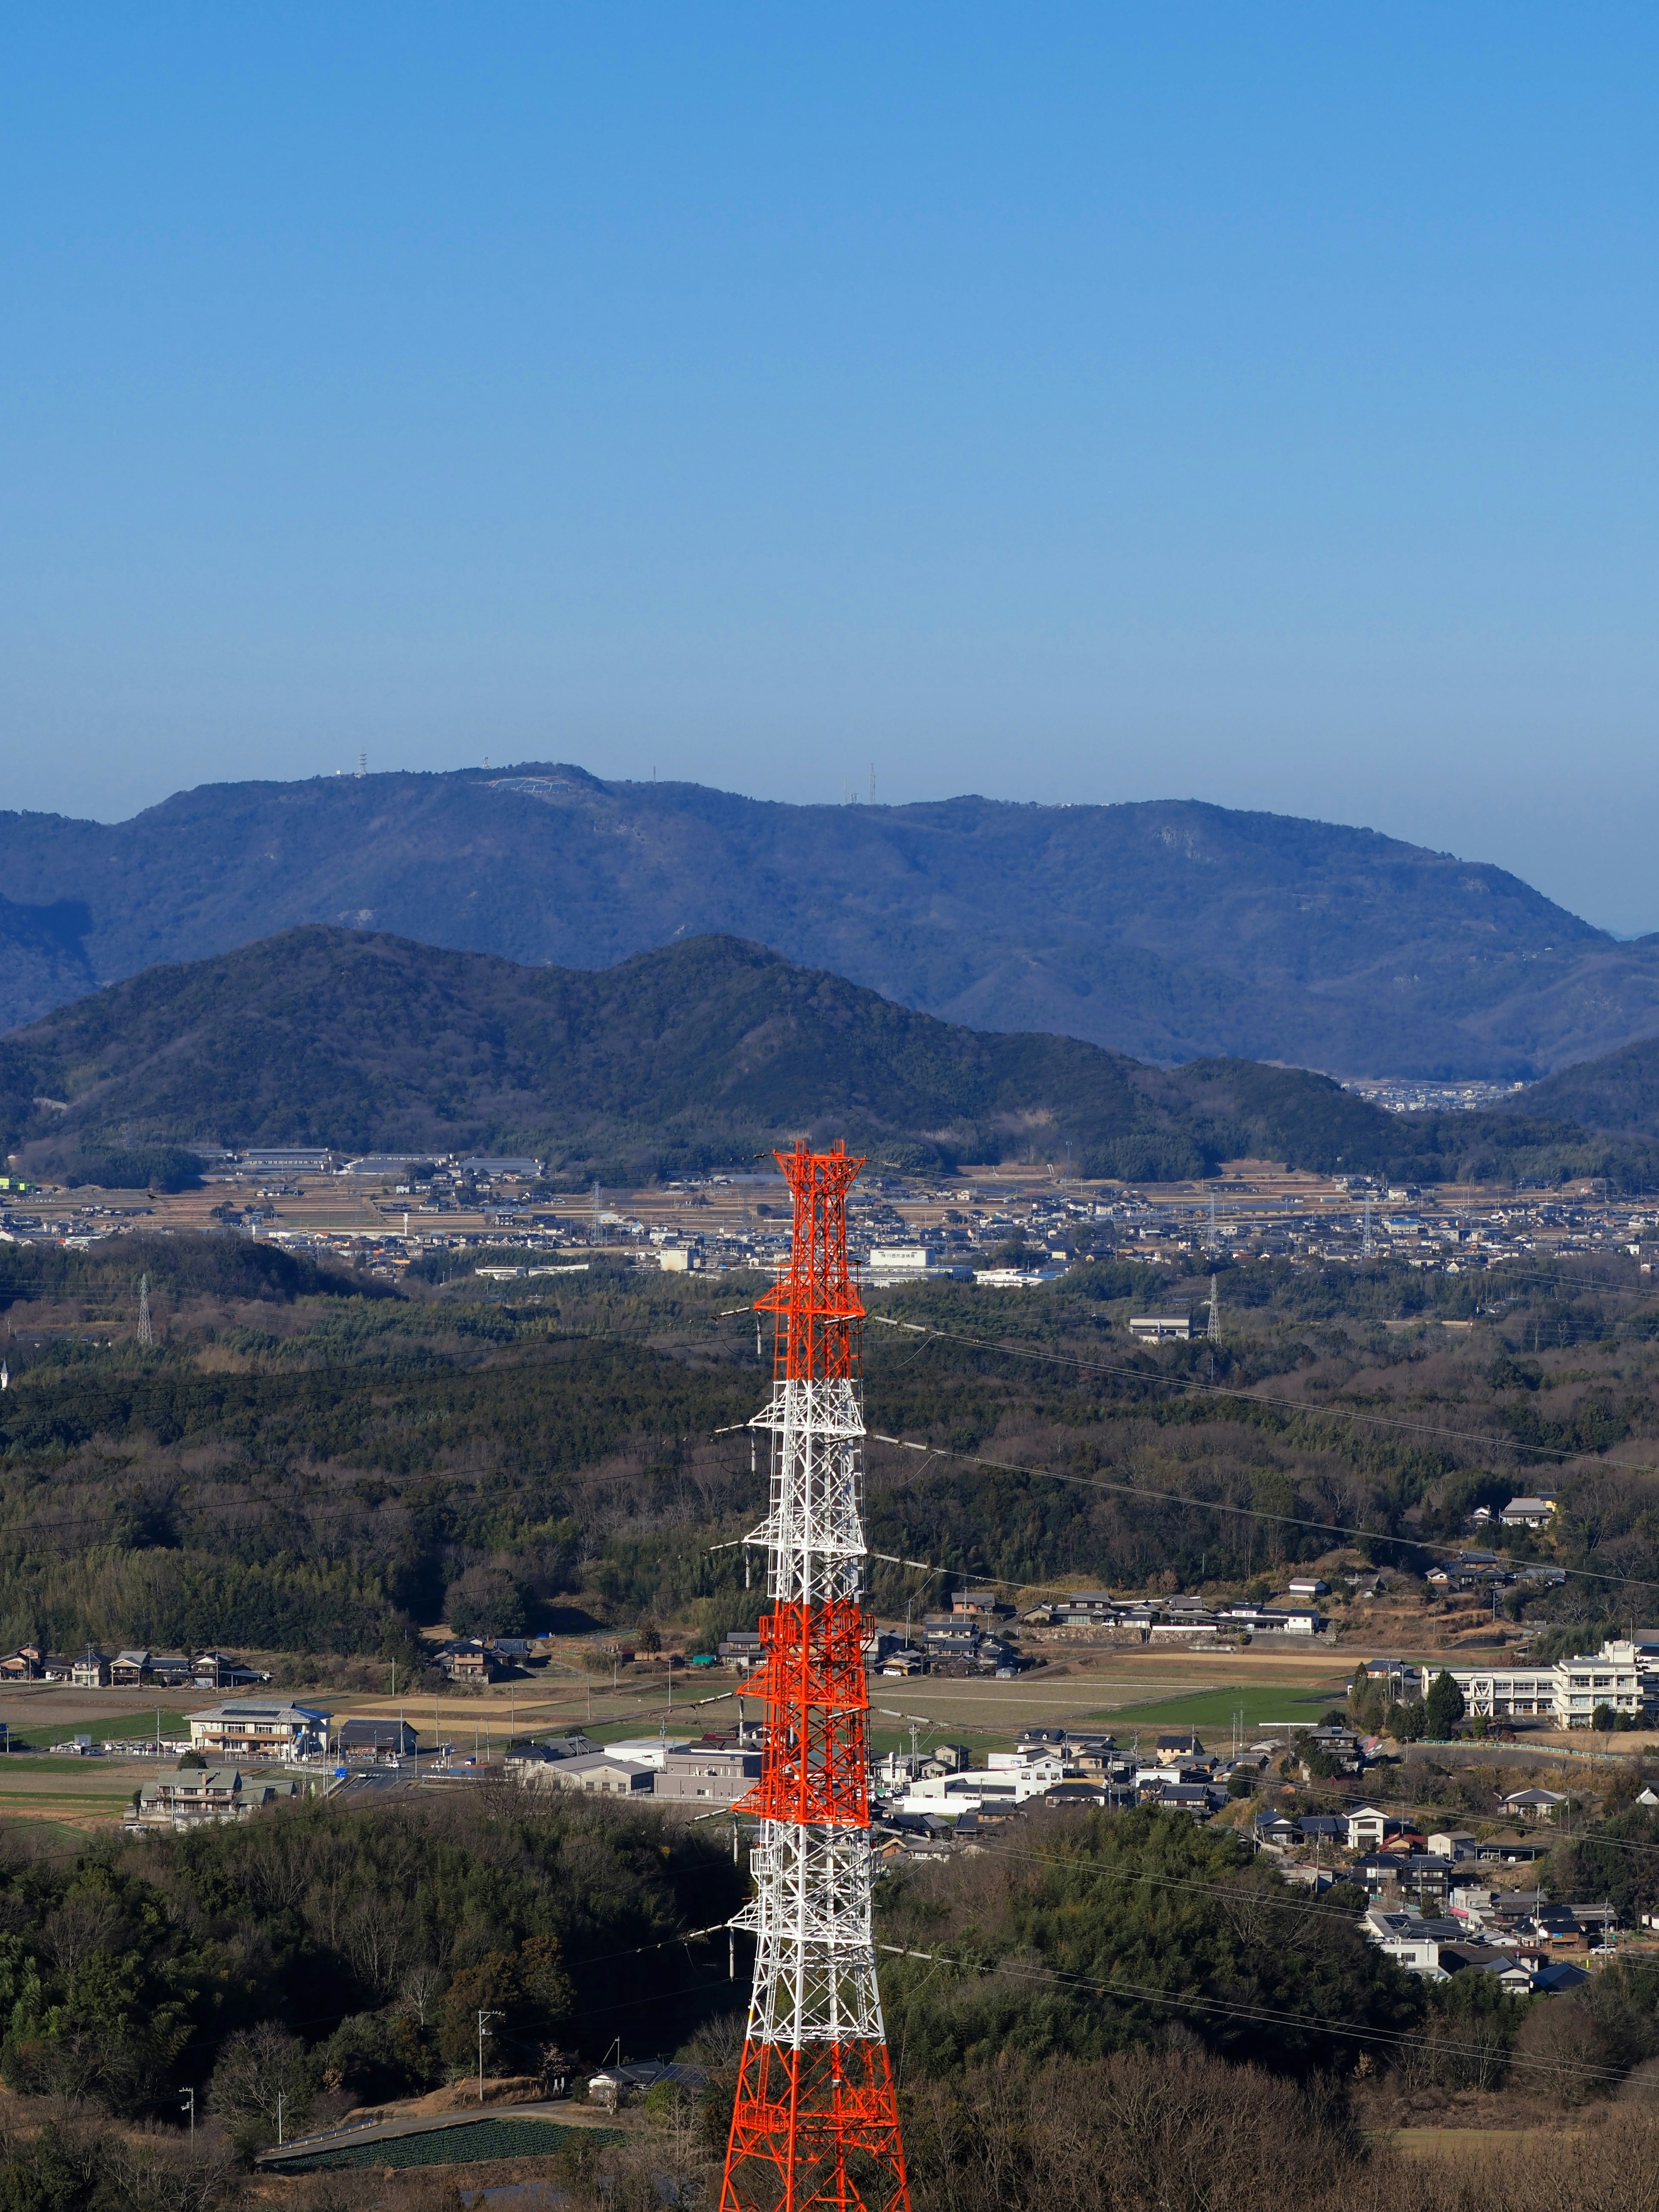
(816,2121)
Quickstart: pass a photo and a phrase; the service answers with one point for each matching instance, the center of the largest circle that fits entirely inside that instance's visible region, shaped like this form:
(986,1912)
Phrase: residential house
(742,1650)
(1369,1827)
(23,1665)
(1323,1828)
(1185,1744)
(1534,1804)
(981,1605)
(91,1670)
(129,1670)
(1189,1797)
(203,1797)
(467,1660)
(249,1729)
(1528,1976)
(1528,1513)
(217,1670)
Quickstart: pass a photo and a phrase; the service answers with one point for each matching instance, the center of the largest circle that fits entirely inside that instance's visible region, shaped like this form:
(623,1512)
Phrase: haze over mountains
(1169,931)
(704,1053)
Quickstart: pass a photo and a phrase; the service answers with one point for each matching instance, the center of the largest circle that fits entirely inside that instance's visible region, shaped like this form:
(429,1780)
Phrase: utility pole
(280,2101)
(483,2016)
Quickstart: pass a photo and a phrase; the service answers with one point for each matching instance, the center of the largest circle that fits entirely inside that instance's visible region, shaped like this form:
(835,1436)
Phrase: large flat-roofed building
(1565,1694)
(255,1728)
(711,1774)
(1160,1328)
(903,1259)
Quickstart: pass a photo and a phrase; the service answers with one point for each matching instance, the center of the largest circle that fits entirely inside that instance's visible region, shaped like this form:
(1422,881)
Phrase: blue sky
(1059,403)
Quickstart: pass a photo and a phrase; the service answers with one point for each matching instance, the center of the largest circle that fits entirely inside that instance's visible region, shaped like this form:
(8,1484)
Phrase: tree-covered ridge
(704,1055)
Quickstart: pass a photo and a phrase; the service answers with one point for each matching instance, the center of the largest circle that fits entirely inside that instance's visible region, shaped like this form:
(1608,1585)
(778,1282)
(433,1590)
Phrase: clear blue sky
(1084,403)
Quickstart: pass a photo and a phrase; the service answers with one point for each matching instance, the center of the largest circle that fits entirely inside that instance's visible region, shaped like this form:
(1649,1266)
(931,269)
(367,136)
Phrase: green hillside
(704,1054)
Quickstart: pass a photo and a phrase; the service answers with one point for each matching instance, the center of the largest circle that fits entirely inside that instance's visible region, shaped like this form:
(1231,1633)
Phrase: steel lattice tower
(816,2120)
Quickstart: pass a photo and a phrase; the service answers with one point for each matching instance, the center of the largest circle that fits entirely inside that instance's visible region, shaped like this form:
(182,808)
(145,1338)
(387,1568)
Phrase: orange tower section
(816,2122)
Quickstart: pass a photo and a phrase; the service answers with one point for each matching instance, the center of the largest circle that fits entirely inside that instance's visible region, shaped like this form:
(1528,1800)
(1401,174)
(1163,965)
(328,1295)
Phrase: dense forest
(307,1464)
(1126,1990)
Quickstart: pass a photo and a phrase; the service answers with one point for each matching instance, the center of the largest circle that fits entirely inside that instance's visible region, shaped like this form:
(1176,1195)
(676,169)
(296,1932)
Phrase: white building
(1565,1694)
(1160,1328)
(901,1259)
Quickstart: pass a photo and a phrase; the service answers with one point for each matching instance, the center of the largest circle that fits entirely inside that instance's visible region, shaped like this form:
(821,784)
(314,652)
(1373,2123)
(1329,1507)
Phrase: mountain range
(1168,930)
(699,1055)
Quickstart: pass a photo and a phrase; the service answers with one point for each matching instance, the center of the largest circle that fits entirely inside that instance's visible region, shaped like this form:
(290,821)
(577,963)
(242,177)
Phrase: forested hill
(704,1054)
(1170,930)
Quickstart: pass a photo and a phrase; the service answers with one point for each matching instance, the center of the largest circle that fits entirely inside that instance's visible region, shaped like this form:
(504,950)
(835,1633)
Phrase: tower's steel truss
(816,2121)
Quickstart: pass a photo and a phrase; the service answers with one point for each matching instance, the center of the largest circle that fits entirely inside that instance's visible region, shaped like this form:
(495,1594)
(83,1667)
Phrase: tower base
(815,2129)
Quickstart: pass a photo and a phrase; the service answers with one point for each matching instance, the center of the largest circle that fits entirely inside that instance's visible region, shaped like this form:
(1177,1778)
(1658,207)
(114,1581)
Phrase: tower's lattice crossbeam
(816,2121)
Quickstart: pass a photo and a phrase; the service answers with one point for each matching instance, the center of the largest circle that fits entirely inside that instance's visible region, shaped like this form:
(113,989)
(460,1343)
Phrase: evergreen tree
(1443,1708)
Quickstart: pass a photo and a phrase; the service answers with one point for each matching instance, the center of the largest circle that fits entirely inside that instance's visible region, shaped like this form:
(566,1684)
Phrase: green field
(1261,1703)
(21,1763)
(126,1728)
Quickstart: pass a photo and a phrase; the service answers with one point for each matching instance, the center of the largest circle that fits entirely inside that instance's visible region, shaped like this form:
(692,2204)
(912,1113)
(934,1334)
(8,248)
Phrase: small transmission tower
(1365,1235)
(1213,1332)
(1213,1243)
(146,1333)
(596,1234)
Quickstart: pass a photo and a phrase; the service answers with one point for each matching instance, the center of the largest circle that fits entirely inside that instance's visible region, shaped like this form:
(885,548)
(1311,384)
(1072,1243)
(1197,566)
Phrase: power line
(1260,2014)
(1481,1444)
(1217,1505)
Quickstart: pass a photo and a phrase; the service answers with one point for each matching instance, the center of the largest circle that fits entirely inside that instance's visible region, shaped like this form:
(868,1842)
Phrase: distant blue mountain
(1170,930)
